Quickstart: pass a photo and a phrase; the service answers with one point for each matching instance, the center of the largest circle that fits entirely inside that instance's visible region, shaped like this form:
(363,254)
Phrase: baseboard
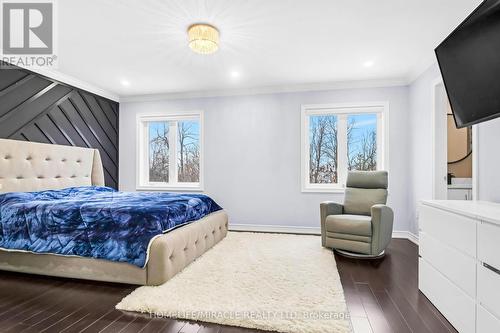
(405,235)
(275,228)
(412,237)
(305,230)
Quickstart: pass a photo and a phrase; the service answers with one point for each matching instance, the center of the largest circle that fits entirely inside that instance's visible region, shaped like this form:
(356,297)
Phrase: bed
(28,167)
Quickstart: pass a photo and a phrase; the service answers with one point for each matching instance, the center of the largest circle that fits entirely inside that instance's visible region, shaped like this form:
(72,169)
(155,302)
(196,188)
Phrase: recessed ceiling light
(203,38)
(235,74)
(125,83)
(368,63)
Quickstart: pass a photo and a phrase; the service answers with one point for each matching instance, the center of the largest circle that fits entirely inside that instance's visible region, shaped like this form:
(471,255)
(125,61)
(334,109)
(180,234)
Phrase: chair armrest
(382,220)
(328,208)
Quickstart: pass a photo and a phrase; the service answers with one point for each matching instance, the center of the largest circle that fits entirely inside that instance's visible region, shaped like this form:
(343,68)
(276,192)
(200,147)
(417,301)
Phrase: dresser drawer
(488,289)
(451,301)
(486,322)
(455,265)
(452,229)
(488,246)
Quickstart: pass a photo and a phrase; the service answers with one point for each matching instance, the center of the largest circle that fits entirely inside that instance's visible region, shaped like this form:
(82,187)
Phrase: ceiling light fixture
(368,63)
(203,38)
(125,83)
(235,74)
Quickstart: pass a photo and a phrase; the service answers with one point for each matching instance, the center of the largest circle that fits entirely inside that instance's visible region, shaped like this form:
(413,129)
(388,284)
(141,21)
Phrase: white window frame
(142,167)
(342,111)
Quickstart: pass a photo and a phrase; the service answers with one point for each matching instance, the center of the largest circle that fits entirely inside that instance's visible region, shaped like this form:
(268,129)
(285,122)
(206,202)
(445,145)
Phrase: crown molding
(421,68)
(266,90)
(295,88)
(72,81)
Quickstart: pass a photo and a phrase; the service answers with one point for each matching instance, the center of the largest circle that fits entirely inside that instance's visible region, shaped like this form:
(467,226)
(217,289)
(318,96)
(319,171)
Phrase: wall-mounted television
(469,59)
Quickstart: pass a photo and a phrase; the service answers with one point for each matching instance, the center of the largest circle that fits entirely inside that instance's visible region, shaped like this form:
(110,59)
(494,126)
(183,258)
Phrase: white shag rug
(275,282)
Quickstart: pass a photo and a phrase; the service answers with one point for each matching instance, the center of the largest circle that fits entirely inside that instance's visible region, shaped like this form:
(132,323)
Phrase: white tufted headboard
(28,166)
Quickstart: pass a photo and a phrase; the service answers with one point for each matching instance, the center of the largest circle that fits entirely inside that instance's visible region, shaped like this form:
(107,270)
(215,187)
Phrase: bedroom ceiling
(137,47)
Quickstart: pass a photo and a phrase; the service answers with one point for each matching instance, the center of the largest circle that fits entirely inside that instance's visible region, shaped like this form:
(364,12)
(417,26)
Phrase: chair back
(363,190)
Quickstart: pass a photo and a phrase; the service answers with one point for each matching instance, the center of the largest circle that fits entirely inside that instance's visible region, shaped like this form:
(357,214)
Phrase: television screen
(469,60)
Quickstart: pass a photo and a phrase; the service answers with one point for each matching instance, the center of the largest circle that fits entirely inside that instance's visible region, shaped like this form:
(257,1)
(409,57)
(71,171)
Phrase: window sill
(323,190)
(169,188)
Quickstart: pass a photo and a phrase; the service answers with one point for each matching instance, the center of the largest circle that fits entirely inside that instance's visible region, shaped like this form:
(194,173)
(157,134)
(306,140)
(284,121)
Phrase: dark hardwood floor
(381,295)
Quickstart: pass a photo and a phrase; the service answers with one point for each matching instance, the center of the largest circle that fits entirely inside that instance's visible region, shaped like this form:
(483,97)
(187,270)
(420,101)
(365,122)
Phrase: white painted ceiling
(268,42)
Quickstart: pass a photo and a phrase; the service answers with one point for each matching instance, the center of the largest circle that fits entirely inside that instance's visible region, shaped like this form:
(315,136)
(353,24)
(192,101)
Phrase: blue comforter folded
(95,222)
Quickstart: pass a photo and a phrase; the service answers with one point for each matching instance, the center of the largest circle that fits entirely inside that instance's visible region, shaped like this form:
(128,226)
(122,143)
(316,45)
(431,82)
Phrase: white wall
(489,160)
(421,169)
(252,152)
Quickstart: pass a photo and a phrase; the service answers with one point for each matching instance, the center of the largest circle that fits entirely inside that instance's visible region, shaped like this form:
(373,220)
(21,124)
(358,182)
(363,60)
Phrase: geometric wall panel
(39,109)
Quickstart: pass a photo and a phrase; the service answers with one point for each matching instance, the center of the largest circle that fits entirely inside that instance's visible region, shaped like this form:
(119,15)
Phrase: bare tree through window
(362,142)
(323,149)
(158,151)
(188,151)
(323,146)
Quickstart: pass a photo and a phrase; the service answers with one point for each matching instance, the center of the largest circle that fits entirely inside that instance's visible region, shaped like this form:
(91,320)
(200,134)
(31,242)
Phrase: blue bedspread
(95,222)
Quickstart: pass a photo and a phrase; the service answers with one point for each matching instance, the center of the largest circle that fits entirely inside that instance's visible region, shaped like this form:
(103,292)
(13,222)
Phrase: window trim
(342,109)
(142,154)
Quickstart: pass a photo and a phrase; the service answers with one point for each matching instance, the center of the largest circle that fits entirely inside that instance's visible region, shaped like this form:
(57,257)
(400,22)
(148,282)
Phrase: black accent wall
(39,109)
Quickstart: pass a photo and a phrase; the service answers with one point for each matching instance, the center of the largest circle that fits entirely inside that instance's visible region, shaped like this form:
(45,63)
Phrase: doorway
(454,152)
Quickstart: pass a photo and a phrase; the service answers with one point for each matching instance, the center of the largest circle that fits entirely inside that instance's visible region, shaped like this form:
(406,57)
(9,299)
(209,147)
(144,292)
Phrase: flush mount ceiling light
(203,38)
(368,63)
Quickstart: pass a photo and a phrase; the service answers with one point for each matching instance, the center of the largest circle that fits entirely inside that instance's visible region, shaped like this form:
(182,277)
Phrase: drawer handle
(491,268)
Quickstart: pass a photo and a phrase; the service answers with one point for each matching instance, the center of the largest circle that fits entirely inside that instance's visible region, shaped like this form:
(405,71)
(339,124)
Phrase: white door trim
(475,162)
(434,85)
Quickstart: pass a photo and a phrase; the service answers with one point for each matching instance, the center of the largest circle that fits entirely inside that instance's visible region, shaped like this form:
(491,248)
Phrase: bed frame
(27,166)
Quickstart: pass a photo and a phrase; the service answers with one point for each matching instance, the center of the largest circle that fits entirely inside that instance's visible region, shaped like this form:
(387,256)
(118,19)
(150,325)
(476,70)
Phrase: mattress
(95,221)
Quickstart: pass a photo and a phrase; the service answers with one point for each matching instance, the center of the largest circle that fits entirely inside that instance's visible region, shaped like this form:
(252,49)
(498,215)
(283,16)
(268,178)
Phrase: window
(338,138)
(170,149)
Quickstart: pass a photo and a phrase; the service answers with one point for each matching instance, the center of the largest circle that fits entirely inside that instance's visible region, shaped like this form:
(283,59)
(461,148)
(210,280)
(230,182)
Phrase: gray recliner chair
(362,226)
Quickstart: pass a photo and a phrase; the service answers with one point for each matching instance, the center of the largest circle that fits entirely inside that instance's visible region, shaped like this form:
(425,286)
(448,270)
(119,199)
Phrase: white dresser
(459,264)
